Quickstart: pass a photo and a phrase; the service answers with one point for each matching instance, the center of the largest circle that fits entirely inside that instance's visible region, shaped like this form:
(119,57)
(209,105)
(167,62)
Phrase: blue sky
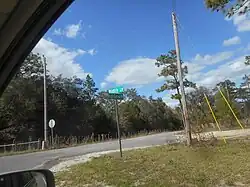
(117,41)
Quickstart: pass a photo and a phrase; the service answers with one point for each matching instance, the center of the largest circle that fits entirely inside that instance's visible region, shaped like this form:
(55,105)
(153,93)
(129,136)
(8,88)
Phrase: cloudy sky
(117,43)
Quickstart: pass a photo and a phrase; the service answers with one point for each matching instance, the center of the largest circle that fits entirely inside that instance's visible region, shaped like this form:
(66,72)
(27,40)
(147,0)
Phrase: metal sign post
(118,126)
(52,124)
(117,93)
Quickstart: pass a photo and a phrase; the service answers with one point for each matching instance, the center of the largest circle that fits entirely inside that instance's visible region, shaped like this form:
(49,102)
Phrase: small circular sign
(52,123)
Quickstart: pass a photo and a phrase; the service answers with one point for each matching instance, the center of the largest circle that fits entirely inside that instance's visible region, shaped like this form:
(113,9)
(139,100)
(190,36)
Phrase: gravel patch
(64,165)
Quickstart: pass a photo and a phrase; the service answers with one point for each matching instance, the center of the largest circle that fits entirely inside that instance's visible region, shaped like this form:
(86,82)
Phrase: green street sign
(117,90)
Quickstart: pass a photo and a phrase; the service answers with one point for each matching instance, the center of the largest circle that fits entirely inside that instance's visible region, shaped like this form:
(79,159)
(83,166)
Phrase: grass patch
(172,165)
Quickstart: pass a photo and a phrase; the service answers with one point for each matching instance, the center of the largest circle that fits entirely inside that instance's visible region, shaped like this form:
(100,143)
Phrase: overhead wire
(184,32)
(181,26)
(190,41)
(173,5)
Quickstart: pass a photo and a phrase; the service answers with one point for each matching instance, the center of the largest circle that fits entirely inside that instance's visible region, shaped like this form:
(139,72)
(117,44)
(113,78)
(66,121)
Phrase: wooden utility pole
(248,86)
(180,76)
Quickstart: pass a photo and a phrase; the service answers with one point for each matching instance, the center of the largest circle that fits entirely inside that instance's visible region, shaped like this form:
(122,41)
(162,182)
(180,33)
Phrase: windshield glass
(133,74)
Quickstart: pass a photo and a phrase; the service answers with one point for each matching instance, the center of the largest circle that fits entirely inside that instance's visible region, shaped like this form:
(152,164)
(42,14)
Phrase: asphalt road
(47,159)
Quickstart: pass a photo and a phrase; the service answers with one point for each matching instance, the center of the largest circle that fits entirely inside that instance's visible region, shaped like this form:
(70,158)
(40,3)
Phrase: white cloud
(70,31)
(73,30)
(58,32)
(194,67)
(170,102)
(233,70)
(212,59)
(194,70)
(92,52)
(199,63)
(205,70)
(244,26)
(242,22)
(138,71)
(61,60)
(237,19)
(80,51)
(173,102)
(203,74)
(141,71)
(103,85)
(232,41)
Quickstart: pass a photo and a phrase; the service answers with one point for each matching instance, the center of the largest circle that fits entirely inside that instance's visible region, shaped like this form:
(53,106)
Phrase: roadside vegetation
(78,107)
(71,141)
(84,114)
(204,164)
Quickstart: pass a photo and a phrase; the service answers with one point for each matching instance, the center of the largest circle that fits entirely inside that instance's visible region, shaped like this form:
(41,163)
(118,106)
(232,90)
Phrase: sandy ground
(227,134)
(64,165)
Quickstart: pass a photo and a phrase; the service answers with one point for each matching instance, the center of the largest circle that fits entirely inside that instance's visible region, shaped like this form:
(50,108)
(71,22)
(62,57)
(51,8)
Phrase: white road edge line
(41,165)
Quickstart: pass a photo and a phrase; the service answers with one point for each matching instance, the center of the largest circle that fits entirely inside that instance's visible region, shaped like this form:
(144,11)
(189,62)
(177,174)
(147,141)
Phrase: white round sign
(52,123)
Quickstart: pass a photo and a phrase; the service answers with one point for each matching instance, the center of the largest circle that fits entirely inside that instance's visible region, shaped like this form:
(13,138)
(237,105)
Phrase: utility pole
(118,126)
(45,102)
(180,76)
(248,87)
(248,91)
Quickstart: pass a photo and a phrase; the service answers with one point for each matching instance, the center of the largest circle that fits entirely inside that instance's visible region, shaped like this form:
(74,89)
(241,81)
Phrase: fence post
(98,138)
(4,148)
(38,143)
(13,146)
(29,145)
(57,141)
(75,140)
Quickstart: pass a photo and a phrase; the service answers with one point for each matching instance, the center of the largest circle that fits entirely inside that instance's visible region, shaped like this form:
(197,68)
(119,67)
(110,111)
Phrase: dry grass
(175,165)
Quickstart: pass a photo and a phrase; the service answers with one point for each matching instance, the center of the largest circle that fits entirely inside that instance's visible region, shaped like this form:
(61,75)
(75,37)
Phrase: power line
(181,26)
(174,9)
(173,5)
(184,32)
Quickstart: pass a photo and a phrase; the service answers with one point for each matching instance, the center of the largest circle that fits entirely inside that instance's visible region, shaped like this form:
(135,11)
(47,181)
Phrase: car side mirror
(29,178)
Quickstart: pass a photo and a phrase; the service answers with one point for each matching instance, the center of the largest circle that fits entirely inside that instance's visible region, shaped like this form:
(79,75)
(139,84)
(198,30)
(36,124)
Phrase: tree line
(77,106)
(80,109)
(199,113)
(238,98)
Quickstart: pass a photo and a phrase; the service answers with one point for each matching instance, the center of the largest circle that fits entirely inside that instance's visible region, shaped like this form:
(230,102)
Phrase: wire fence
(61,142)
(70,141)
(19,147)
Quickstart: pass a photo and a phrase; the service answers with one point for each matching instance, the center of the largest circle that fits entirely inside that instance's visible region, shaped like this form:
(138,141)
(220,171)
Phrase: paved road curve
(47,159)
